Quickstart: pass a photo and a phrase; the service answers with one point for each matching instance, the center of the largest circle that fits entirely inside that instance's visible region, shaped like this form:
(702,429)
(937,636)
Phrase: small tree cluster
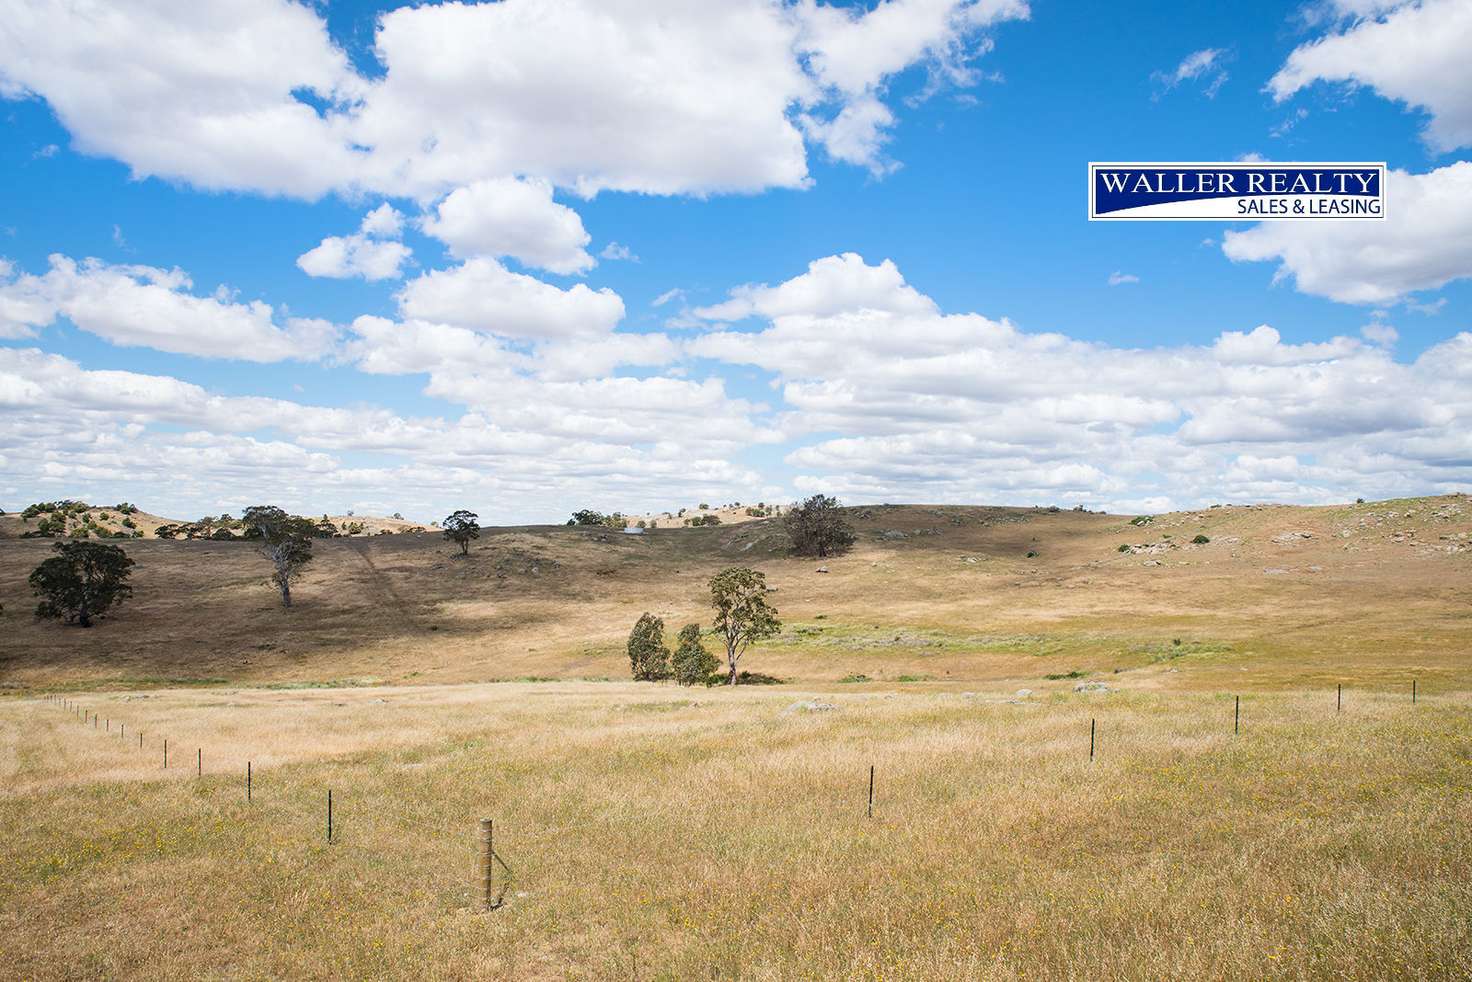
(816,527)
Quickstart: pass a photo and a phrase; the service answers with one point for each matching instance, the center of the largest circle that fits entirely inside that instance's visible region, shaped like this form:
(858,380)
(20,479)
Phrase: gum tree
(739,596)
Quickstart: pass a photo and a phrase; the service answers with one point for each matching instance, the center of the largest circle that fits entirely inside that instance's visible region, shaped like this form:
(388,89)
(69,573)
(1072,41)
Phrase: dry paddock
(655,832)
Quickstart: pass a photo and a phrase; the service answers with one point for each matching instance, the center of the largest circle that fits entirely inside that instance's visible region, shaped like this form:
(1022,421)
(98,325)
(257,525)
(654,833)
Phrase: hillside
(126,521)
(947,594)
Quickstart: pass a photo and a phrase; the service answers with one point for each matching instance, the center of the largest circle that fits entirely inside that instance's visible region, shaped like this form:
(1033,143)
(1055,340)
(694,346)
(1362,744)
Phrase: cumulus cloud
(961,407)
(1415,53)
(203,92)
(483,295)
(1424,243)
(146,306)
(586,94)
(528,449)
(505,216)
(370,254)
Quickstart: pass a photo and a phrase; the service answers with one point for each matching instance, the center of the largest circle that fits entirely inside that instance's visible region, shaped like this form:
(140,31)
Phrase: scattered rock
(1275,571)
(1091,687)
(893,534)
(808,706)
(821,569)
(1151,562)
(1287,538)
(1023,693)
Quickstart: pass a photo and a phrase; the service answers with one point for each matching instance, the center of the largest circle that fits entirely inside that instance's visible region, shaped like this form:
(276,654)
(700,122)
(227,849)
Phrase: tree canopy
(649,659)
(739,596)
(461,527)
(691,663)
(83,580)
(816,527)
(284,539)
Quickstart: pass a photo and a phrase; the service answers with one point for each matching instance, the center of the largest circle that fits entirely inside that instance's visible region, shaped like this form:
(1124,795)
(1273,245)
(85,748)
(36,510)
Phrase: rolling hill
(1278,595)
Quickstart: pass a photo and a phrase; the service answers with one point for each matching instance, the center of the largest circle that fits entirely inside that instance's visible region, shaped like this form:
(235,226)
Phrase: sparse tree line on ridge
(84,579)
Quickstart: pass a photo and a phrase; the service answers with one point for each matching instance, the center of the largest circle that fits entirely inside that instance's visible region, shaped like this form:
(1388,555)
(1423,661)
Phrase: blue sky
(957,336)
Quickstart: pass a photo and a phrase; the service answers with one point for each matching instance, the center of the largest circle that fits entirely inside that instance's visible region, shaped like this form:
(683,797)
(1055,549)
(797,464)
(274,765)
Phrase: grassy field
(664,833)
(657,832)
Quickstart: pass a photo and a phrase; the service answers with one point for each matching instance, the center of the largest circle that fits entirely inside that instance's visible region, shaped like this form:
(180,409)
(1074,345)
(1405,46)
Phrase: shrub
(83,580)
(1142,519)
(1031,554)
(1124,547)
(649,659)
(691,662)
(1201,540)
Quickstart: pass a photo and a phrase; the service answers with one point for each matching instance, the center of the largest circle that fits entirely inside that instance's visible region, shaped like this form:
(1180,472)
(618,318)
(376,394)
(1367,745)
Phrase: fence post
(484,872)
(1237,717)
(200,763)
(329,815)
(166,753)
(1339,697)
(1413,692)
(871,790)
(247,780)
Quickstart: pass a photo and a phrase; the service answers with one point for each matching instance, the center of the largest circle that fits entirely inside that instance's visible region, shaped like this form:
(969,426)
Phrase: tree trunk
(731,660)
(285,593)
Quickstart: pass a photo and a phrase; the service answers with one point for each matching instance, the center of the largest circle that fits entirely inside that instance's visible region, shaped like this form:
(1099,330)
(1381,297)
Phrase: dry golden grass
(664,833)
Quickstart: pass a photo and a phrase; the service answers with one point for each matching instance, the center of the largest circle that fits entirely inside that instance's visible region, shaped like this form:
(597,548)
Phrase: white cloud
(200,92)
(1378,332)
(1204,66)
(369,254)
(615,251)
(674,293)
(508,217)
(1424,243)
(960,407)
(483,295)
(852,52)
(586,94)
(533,449)
(1117,278)
(341,257)
(146,306)
(1414,53)
(831,285)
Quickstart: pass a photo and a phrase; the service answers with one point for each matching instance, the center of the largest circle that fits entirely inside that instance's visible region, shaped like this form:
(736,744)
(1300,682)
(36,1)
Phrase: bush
(1142,519)
(1201,540)
(1031,555)
(649,660)
(1125,547)
(691,662)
